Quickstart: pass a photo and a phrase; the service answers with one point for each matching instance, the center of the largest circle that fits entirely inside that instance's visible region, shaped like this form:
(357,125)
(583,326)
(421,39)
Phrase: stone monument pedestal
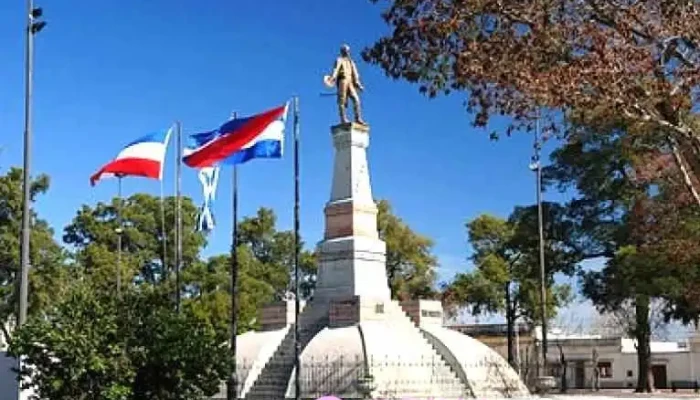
(352,257)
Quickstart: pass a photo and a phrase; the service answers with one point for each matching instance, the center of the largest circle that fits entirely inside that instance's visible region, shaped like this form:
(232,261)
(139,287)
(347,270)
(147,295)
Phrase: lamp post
(34,25)
(536,166)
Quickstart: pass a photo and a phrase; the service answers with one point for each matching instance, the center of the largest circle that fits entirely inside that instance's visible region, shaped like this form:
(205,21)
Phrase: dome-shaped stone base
(389,357)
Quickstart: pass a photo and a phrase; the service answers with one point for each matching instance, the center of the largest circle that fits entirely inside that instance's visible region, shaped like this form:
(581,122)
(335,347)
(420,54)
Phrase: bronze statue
(347,81)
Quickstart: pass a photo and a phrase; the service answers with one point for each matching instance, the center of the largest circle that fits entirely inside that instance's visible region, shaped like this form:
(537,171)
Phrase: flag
(269,144)
(235,135)
(143,157)
(209,177)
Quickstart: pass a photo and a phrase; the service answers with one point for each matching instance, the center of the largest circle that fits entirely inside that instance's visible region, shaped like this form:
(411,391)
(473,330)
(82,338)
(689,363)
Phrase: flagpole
(163,231)
(297,250)
(178,223)
(120,232)
(232,392)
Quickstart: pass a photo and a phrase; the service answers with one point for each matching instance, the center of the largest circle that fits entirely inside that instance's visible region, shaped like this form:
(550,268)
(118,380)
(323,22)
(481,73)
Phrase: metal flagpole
(232,390)
(178,223)
(120,232)
(297,250)
(166,272)
(175,185)
(163,231)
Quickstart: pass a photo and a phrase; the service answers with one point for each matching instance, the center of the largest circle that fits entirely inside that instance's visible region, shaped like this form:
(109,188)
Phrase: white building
(673,364)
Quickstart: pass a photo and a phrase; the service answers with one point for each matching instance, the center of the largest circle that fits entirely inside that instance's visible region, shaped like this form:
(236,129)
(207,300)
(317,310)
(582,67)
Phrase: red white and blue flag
(239,140)
(144,157)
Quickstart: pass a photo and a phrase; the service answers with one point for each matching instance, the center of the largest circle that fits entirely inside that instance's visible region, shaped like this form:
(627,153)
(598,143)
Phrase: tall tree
(506,278)
(49,273)
(207,286)
(265,268)
(274,251)
(93,233)
(638,59)
(621,215)
(410,266)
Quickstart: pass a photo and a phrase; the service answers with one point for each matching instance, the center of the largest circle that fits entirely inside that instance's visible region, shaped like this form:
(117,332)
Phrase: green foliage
(506,278)
(624,211)
(93,232)
(274,251)
(176,355)
(49,274)
(612,211)
(208,287)
(74,351)
(94,345)
(410,265)
(265,265)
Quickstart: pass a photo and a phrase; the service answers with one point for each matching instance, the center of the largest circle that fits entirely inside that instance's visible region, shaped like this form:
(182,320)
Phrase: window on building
(629,373)
(605,368)
(432,314)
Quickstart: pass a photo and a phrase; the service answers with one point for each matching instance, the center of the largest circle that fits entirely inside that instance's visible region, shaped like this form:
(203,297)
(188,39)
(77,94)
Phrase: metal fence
(379,377)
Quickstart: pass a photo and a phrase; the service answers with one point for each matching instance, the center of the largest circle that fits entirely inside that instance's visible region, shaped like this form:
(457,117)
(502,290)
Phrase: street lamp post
(536,166)
(33,27)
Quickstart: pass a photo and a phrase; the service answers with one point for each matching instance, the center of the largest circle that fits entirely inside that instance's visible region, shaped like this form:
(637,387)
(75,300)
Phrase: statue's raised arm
(346,79)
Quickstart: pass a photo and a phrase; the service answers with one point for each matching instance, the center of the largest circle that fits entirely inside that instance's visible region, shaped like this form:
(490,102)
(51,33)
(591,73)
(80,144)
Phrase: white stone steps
(421,371)
(274,379)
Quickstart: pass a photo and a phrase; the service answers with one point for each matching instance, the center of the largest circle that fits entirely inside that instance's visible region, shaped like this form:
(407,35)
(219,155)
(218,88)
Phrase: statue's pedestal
(352,257)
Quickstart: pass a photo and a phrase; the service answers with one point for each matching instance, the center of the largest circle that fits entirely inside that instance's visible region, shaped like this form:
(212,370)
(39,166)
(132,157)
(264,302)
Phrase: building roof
(489,329)
(628,346)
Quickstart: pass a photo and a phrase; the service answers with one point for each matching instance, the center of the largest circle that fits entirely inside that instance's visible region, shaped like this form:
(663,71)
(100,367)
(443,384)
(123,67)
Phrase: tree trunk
(642,333)
(510,331)
(562,361)
(683,167)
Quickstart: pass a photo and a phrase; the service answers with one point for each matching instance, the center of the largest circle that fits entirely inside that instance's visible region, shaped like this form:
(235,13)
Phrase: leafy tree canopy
(506,259)
(94,345)
(265,273)
(629,213)
(49,274)
(638,60)
(410,265)
(148,247)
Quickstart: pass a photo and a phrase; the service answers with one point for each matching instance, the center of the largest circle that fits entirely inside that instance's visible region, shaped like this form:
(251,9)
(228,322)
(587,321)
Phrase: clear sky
(109,71)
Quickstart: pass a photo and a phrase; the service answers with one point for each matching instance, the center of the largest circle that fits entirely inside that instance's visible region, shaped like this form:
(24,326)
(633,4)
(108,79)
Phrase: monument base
(352,266)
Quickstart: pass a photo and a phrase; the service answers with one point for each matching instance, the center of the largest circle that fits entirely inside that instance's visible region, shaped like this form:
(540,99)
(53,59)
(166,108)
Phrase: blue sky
(109,71)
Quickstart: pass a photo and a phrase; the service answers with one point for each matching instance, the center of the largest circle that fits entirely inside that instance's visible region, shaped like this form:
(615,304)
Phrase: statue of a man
(347,81)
